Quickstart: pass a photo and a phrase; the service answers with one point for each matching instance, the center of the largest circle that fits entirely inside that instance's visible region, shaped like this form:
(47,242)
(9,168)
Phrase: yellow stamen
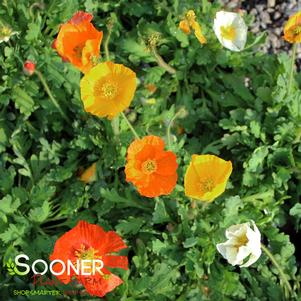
(5,31)
(190,16)
(86,253)
(149,166)
(105,89)
(228,32)
(78,50)
(297,30)
(241,241)
(207,185)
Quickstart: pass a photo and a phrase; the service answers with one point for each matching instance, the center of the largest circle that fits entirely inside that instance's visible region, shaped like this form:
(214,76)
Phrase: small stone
(253,11)
(278,31)
(265,17)
(277,15)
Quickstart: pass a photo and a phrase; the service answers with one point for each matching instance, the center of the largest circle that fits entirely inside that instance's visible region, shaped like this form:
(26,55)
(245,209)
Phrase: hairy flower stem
(170,125)
(115,125)
(278,267)
(130,126)
(106,43)
(291,74)
(161,62)
(48,91)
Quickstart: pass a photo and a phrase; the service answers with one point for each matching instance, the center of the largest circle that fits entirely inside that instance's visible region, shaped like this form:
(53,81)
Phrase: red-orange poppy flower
(151,169)
(90,242)
(78,41)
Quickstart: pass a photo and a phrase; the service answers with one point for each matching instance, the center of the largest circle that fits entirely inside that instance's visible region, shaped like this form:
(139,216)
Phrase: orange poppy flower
(89,175)
(151,88)
(206,177)
(292,29)
(107,89)
(78,41)
(151,169)
(189,23)
(90,242)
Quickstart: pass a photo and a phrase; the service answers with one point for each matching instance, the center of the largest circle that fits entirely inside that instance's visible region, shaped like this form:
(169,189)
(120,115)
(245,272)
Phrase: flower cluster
(107,89)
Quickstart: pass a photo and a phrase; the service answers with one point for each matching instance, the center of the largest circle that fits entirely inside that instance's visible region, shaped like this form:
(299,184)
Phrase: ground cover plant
(154,136)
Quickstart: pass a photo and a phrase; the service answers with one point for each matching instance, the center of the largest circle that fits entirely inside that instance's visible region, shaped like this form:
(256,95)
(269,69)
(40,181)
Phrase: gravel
(269,16)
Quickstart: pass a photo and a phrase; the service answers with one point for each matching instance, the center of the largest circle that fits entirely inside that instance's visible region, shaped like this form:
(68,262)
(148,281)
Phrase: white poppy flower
(231,30)
(243,246)
(6,33)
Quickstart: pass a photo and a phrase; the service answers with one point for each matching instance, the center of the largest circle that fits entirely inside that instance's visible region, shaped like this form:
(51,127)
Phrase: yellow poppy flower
(107,89)
(189,23)
(292,29)
(89,175)
(206,177)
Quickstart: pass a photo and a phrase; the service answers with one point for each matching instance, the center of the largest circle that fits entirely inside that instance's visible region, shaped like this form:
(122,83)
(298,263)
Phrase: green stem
(290,81)
(54,226)
(34,5)
(115,125)
(276,264)
(169,127)
(106,43)
(161,62)
(48,91)
(130,126)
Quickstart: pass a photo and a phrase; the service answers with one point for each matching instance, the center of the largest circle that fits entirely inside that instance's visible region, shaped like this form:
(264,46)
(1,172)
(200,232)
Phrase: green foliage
(236,106)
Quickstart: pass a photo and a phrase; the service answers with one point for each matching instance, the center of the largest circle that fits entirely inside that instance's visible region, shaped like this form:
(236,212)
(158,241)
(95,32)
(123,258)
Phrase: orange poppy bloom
(107,89)
(151,169)
(206,177)
(292,29)
(78,41)
(90,242)
(89,175)
(189,23)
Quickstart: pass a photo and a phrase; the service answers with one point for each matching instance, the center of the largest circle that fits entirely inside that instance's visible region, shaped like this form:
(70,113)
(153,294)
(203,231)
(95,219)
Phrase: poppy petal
(112,261)
(99,285)
(167,164)
(80,17)
(155,186)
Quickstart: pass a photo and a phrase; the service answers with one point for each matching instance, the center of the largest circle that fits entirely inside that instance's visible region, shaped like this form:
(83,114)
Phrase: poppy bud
(29,68)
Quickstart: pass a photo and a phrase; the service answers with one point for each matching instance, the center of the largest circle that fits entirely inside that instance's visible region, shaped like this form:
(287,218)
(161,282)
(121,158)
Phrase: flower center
(78,50)
(190,16)
(107,90)
(228,32)
(241,241)
(297,30)
(149,166)
(85,253)
(5,31)
(207,185)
